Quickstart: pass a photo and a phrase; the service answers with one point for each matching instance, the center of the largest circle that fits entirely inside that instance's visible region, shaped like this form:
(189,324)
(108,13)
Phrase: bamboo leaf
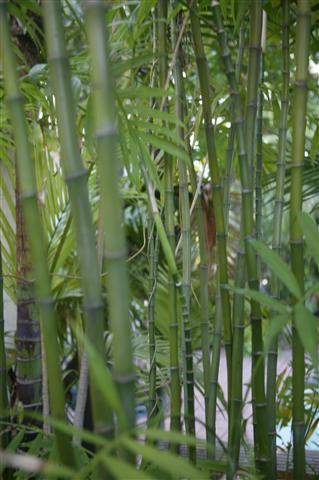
(278,266)
(120,469)
(165,145)
(104,381)
(142,92)
(263,299)
(135,62)
(311,233)
(275,327)
(148,112)
(168,462)
(307,326)
(315,145)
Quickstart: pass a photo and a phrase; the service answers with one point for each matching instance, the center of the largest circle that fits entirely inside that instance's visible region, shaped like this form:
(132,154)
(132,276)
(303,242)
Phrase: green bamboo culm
(203,76)
(108,165)
(4,437)
(230,149)
(204,293)
(259,139)
(276,237)
(185,221)
(258,385)
(170,231)
(296,236)
(235,416)
(28,335)
(76,178)
(253,76)
(153,251)
(38,251)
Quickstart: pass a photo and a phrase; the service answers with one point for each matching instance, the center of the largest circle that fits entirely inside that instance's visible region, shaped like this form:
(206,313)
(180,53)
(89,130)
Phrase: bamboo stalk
(203,75)
(28,337)
(153,253)
(35,234)
(296,237)
(170,231)
(204,297)
(258,387)
(276,237)
(76,179)
(255,30)
(115,245)
(230,149)
(188,377)
(236,400)
(259,159)
(4,437)
(153,263)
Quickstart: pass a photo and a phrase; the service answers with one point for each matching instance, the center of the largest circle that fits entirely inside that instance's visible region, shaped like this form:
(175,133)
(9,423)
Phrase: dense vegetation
(159,210)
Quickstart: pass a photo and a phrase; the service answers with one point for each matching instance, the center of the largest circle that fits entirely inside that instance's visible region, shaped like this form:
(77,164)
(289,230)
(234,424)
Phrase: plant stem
(115,245)
(153,249)
(276,238)
(188,377)
(76,179)
(170,231)
(28,337)
(296,236)
(4,437)
(37,245)
(204,297)
(203,75)
(258,386)
(235,417)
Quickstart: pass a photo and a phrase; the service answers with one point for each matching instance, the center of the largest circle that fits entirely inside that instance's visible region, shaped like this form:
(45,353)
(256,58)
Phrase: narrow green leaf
(168,462)
(166,146)
(311,233)
(142,92)
(276,325)
(121,470)
(263,299)
(104,381)
(278,266)
(134,62)
(315,145)
(144,111)
(307,326)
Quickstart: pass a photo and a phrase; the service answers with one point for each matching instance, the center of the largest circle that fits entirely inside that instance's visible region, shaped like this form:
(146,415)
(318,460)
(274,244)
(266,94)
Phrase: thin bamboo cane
(153,262)
(203,75)
(258,387)
(204,297)
(170,231)
(28,337)
(230,149)
(76,178)
(255,32)
(299,119)
(153,253)
(276,238)
(4,437)
(35,234)
(235,417)
(115,245)
(188,377)
(259,159)
(236,401)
